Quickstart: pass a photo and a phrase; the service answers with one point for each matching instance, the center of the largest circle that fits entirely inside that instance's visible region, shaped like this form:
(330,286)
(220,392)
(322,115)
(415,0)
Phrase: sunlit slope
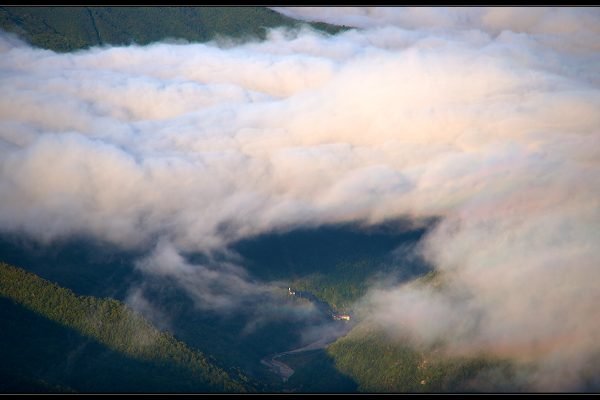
(114,326)
(379,362)
(72,28)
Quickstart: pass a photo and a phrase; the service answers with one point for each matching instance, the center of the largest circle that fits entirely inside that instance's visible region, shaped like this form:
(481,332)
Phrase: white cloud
(485,118)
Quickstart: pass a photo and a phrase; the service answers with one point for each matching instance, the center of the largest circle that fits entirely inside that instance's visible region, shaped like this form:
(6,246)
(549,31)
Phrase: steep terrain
(77,334)
(74,324)
(72,28)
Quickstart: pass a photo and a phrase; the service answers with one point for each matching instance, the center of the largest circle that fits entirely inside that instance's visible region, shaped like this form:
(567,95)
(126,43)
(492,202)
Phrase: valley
(258,200)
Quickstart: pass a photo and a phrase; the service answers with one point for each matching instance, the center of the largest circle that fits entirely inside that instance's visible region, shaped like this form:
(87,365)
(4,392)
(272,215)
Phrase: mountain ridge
(114,325)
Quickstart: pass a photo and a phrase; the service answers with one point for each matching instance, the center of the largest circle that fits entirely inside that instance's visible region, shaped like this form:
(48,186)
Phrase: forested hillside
(73,28)
(335,263)
(111,325)
(381,364)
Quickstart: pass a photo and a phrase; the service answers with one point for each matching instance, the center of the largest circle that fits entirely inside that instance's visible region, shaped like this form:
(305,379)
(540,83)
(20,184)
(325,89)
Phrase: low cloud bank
(486,119)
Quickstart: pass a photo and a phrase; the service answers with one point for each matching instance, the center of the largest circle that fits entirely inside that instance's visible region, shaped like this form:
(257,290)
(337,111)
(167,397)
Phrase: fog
(486,119)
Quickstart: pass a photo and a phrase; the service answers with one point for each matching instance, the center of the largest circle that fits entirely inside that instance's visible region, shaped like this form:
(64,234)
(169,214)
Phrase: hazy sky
(485,118)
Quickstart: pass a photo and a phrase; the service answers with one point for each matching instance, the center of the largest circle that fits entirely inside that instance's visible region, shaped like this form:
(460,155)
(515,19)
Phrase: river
(328,336)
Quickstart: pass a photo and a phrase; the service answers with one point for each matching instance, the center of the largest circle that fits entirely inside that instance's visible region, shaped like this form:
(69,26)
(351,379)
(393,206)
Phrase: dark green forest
(340,264)
(335,263)
(379,363)
(112,325)
(72,28)
(66,342)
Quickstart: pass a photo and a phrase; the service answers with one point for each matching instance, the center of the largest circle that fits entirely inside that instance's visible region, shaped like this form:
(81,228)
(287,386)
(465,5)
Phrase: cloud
(483,118)
(215,286)
(137,301)
(536,20)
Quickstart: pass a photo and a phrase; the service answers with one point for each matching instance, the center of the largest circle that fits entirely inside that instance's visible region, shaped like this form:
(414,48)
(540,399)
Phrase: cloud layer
(486,118)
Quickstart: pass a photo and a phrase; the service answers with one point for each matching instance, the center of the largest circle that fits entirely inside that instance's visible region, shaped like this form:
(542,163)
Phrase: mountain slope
(336,263)
(72,28)
(112,325)
(379,362)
